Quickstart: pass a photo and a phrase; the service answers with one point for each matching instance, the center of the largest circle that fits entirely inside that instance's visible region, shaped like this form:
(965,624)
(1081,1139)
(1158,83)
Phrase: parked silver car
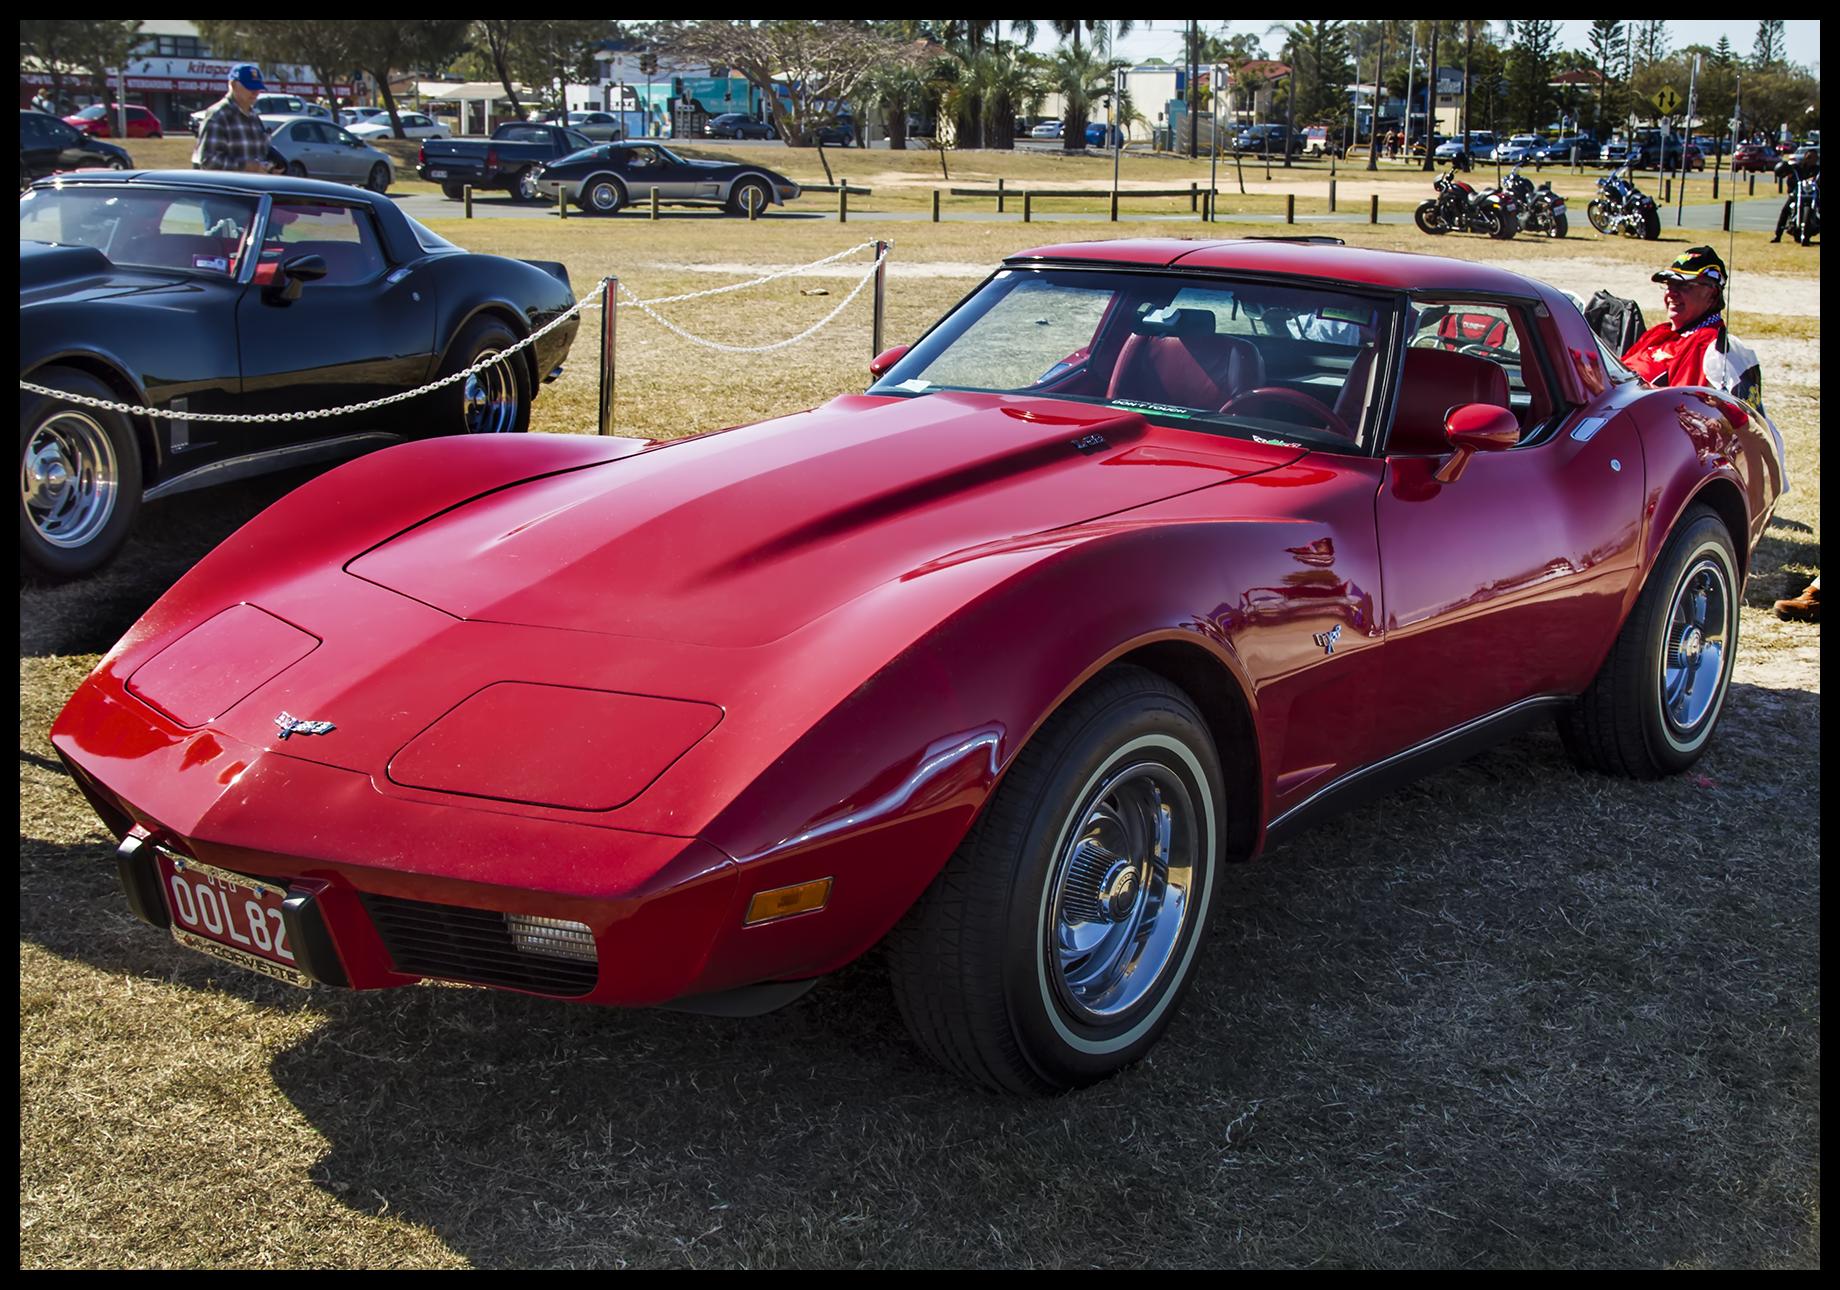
(316,149)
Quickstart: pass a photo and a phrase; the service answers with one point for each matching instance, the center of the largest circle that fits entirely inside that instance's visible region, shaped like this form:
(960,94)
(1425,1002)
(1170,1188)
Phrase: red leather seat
(1434,382)
(1181,361)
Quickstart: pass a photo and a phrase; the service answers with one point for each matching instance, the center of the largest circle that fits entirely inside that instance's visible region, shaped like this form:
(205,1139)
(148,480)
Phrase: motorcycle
(1543,210)
(1458,207)
(1621,207)
(1805,217)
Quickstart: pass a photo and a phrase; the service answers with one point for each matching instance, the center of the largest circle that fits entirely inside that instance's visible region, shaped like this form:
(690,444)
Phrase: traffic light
(648,63)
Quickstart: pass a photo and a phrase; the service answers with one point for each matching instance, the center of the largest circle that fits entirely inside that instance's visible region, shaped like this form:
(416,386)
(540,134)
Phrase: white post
(1112,118)
(1214,151)
(1680,210)
(1411,66)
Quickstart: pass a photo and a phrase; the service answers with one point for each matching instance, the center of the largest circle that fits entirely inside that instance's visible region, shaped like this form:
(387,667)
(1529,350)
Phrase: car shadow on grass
(1512,1014)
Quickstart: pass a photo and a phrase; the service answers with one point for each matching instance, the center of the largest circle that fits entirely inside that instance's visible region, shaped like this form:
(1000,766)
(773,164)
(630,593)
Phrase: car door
(363,331)
(1506,584)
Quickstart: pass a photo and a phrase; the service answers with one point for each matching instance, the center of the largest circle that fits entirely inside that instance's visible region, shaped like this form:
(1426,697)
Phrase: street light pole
(1214,142)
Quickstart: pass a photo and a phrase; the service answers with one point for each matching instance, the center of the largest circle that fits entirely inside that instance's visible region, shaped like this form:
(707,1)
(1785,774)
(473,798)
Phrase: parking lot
(1512,1014)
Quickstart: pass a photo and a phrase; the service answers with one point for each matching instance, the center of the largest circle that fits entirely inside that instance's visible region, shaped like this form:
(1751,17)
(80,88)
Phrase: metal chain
(589,301)
(645,307)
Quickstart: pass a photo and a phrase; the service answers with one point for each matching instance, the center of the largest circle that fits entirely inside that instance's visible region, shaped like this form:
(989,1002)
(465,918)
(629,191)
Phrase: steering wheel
(1490,352)
(1330,421)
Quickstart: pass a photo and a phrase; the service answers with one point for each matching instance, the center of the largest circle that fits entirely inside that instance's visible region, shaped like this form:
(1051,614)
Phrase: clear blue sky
(1162,37)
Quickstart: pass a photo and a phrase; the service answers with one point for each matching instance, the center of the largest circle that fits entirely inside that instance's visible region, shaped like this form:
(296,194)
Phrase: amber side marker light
(784,902)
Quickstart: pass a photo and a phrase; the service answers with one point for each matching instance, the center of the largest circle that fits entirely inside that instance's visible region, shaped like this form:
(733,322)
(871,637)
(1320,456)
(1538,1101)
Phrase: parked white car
(349,117)
(276,106)
(1517,149)
(415,126)
(316,149)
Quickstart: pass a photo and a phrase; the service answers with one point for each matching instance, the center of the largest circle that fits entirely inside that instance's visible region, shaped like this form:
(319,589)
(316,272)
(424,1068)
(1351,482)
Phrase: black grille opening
(455,943)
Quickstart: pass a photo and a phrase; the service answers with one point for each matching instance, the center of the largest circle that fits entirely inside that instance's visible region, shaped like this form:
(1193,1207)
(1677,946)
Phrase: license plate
(233,918)
(437,174)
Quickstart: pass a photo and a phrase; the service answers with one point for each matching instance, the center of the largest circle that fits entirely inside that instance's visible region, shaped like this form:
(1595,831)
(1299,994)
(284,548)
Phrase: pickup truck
(510,159)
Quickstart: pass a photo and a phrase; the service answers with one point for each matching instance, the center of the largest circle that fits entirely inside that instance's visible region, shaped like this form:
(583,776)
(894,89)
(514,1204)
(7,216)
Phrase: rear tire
(1641,717)
(296,170)
(1506,226)
(494,401)
(1054,947)
(79,478)
(1651,225)
(1558,227)
(379,181)
(453,192)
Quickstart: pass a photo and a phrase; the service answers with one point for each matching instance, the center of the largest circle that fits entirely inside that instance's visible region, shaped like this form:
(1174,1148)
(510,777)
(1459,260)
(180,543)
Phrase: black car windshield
(143,227)
(1251,359)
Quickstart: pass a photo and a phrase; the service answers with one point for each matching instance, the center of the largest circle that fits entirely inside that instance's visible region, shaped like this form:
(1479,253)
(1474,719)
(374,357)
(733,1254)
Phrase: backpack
(1617,321)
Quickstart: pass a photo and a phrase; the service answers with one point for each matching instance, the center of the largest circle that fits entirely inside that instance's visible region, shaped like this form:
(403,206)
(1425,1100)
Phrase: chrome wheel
(69,479)
(527,185)
(489,400)
(1121,893)
(1695,644)
(604,196)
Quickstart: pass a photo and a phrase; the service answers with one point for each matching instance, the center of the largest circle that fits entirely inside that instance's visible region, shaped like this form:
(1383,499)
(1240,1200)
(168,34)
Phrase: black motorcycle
(1805,216)
(1621,207)
(1542,210)
(1458,207)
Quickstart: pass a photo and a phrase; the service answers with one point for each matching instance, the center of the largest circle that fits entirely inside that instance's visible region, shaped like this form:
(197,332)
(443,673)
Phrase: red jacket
(1663,356)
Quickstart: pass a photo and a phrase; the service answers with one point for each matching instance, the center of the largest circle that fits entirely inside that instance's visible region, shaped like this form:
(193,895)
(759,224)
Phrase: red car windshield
(1250,359)
(153,228)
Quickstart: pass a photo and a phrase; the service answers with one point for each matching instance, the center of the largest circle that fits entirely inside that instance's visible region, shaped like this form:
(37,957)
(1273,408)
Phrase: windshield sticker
(1161,409)
(1276,443)
(918,385)
(217,262)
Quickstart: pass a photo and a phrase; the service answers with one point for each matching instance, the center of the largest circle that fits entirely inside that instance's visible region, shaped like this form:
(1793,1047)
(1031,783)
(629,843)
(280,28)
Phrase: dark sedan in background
(47,147)
(204,292)
(604,179)
(739,125)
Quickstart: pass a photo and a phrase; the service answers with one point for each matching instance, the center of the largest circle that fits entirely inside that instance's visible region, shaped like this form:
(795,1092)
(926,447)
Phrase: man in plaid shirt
(232,136)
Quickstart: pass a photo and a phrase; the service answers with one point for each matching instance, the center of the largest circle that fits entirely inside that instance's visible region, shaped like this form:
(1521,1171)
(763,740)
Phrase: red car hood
(741,537)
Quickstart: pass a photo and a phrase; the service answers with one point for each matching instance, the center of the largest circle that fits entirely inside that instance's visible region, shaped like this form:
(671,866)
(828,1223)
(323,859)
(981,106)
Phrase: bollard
(935,206)
(1332,196)
(1207,207)
(843,200)
(999,194)
(1715,183)
(1727,217)
(1575,169)
(1753,186)
(466,200)
(1028,202)
(562,204)
(1373,208)
(654,201)
(1667,191)
(881,296)
(753,203)
(1194,195)
(609,292)
(1290,208)
(1114,205)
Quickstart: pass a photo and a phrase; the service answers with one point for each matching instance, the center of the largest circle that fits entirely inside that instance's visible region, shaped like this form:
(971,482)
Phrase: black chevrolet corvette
(601,180)
(205,292)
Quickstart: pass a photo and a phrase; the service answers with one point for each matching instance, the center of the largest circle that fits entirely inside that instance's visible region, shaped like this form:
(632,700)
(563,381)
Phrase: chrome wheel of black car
(79,478)
(489,399)
(603,196)
(526,185)
(1053,948)
(495,399)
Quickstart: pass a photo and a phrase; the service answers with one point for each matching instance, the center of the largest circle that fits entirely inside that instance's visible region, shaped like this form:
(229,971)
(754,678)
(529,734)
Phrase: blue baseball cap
(249,76)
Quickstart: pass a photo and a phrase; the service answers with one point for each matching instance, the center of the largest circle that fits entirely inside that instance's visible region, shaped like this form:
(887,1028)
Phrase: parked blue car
(1098,135)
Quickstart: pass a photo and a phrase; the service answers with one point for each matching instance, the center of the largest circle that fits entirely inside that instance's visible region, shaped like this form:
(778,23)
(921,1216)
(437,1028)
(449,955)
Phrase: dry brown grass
(1514,1015)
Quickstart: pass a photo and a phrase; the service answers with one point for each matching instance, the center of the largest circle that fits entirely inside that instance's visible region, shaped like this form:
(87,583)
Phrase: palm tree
(1083,78)
(1008,79)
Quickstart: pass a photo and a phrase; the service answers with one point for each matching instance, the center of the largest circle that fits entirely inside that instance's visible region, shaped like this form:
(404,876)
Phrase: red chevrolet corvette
(1145,556)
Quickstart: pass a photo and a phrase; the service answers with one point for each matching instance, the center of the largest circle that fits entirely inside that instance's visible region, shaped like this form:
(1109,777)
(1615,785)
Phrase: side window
(342,236)
(576,142)
(1493,333)
(301,132)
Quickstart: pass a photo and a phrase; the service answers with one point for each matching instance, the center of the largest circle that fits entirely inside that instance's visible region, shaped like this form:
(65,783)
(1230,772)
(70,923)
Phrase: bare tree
(497,39)
(384,48)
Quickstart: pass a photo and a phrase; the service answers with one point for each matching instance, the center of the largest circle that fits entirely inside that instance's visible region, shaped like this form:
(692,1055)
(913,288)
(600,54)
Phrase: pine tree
(1767,51)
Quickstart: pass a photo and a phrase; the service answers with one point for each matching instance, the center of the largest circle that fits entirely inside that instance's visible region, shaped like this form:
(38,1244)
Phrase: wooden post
(1332,196)
(1667,190)
(1727,217)
(1207,206)
(881,295)
(1194,195)
(1028,201)
(1290,208)
(1715,183)
(935,206)
(1239,170)
(999,194)
(1114,205)
(1753,185)
(1373,208)
(562,204)
(753,202)
(843,201)
(654,201)
(466,200)
(609,302)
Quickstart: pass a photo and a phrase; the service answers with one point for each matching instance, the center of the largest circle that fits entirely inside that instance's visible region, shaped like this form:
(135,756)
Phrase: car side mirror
(879,365)
(1473,428)
(302,268)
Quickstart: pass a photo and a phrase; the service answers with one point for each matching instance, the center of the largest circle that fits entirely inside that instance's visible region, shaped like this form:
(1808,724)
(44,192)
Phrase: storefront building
(173,88)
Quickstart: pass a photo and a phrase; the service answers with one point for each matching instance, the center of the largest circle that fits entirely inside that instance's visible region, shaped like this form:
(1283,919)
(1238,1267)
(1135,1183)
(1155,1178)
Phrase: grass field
(1512,1015)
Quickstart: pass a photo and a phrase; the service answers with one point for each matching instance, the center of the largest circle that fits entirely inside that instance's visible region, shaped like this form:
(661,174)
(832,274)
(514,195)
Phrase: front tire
(738,199)
(1599,217)
(1053,949)
(524,185)
(79,478)
(1652,708)
(1428,220)
(379,181)
(493,401)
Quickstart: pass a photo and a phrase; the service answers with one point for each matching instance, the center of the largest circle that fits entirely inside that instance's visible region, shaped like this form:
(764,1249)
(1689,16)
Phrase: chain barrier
(589,301)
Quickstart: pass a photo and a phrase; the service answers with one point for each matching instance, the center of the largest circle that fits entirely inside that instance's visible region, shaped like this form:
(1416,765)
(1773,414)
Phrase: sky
(1162,37)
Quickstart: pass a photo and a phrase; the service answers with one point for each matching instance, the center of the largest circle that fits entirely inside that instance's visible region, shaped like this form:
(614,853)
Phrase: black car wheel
(494,400)
(1652,708)
(602,195)
(746,190)
(453,192)
(118,163)
(297,170)
(1053,948)
(379,181)
(79,478)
